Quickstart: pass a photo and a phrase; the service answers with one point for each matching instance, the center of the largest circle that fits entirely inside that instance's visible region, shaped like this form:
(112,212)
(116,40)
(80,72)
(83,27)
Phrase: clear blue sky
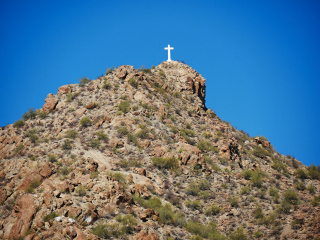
(260,58)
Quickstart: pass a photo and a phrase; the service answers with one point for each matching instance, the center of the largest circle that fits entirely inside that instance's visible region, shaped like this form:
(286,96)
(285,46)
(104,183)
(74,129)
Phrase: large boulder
(21,217)
(51,103)
(64,89)
(121,72)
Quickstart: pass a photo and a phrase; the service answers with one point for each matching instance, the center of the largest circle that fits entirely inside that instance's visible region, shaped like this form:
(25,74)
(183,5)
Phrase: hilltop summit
(136,154)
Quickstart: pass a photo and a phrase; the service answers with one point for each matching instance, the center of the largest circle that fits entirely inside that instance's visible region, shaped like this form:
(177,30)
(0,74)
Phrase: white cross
(169,54)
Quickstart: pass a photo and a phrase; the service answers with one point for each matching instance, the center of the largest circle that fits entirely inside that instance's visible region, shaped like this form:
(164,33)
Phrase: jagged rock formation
(137,154)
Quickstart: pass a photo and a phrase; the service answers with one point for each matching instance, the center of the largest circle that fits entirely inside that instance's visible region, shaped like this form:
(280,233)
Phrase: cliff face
(136,154)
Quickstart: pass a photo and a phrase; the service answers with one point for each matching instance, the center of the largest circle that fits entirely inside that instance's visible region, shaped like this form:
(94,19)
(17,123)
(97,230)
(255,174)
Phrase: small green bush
(124,106)
(258,213)
(52,158)
(315,201)
(109,70)
(301,173)
(204,184)
(50,216)
(122,131)
(284,207)
(83,81)
(300,186)
(213,210)
(260,152)
(291,197)
(132,138)
(314,172)
(208,231)
(33,185)
(85,121)
(42,114)
(234,201)
(71,134)
(118,176)
(18,148)
(94,175)
(194,205)
(133,82)
(207,135)
(128,223)
(106,85)
(101,135)
(193,189)
(66,145)
(247,174)
(206,146)
(238,234)
(30,114)
(245,190)
(95,143)
(65,170)
(166,163)
(19,123)
(81,190)
(312,189)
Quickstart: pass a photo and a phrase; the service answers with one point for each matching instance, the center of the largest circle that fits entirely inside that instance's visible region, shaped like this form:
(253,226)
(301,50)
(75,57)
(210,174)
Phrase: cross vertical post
(169,54)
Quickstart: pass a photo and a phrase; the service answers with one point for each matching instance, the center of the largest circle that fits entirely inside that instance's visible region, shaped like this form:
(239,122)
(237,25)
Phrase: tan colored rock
(264,143)
(80,112)
(145,234)
(20,219)
(50,104)
(140,190)
(64,89)
(159,151)
(121,72)
(46,170)
(28,179)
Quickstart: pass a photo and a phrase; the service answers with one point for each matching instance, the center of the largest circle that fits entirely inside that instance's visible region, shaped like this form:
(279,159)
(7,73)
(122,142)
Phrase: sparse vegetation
(30,114)
(19,123)
(50,216)
(83,81)
(213,210)
(85,121)
(71,134)
(166,163)
(124,106)
(32,186)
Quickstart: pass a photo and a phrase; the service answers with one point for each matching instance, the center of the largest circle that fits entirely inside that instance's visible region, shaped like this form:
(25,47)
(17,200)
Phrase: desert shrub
(234,202)
(143,133)
(213,210)
(30,114)
(81,190)
(245,190)
(50,216)
(279,166)
(274,193)
(94,175)
(66,145)
(247,174)
(71,134)
(260,152)
(109,70)
(237,234)
(18,148)
(94,143)
(193,189)
(208,231)
(101,135)
(311,189)
(166,163)
(207,134)
(85,121)
(52,158)
(18,123)
(65,170)
(315,201)
(122,131)
(118,176)
(301,173)
(106,85)
(194,205)
(42,114)
(33,185)
(300,186)
(206,146)
(284,207)
(132,138)
(314,172)
(83,81)
(258,234)
(128,223)
(124,106)
(257,177)
(291,197)
(258,213)
(204,184)
(187,132)
(133,82)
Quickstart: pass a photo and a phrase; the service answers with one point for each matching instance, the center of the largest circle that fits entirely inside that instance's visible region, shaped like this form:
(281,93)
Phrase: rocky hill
(135,154)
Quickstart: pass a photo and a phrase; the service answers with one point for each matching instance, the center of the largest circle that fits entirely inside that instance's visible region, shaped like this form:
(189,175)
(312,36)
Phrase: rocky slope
(135,154)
